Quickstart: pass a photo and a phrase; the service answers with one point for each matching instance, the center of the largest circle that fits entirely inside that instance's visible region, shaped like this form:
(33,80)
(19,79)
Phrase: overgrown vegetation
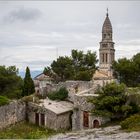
(4,100)
(25,131)
(28,85)
(61,94)
(132,123)
(128,70)
(10,83)
(31,98)
(78,66)
(112,102)
(133,95)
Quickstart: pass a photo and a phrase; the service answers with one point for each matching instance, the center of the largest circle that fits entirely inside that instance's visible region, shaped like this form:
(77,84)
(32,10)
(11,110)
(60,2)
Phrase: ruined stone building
(76,113)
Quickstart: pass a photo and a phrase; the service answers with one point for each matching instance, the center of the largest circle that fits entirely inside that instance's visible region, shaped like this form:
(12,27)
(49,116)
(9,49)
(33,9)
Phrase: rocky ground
(107,133)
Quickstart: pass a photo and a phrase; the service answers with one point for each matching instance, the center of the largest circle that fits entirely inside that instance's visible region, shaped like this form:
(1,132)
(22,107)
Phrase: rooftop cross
(107,12)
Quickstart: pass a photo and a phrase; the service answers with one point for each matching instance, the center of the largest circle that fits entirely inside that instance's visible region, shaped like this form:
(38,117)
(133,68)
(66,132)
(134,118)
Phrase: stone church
(75,113)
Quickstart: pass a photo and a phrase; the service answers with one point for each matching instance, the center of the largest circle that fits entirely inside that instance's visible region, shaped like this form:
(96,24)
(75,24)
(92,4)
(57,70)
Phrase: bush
(24,130)
(84,76)
(131,123)
(30,99)
(3,100)
(61,94)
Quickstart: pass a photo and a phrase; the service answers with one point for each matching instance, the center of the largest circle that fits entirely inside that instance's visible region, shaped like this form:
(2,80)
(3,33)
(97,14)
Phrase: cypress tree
(28,87)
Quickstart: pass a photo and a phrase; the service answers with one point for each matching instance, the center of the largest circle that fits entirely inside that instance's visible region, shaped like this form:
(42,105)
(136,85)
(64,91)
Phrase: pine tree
(28,87)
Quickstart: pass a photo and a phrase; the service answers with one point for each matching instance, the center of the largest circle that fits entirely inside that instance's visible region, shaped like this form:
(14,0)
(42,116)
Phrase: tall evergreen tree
(28,87)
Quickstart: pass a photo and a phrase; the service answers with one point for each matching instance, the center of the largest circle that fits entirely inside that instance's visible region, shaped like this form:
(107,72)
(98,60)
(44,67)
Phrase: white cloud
(22,14)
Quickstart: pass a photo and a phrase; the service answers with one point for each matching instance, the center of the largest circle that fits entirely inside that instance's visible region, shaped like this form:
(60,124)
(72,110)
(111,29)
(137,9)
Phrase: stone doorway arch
(96,124)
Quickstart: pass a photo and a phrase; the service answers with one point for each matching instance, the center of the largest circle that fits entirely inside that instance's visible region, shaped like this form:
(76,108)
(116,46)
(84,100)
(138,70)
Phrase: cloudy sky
(35,33)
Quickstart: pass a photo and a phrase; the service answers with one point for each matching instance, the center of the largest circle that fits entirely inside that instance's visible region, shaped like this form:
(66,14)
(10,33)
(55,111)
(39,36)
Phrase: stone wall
(102,82)
(12,113)
(77,120)
(75,87)
(72,86)
(81,105)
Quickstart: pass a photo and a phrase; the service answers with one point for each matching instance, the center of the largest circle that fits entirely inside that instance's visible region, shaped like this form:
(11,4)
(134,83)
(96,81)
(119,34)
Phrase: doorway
(37,118)
(96,124)
(85,119)
(42,119)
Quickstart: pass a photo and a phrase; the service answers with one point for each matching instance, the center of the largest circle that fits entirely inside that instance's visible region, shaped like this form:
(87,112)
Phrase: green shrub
(3,100)
(61,94)
(31,98)
(84,76)
(131,123)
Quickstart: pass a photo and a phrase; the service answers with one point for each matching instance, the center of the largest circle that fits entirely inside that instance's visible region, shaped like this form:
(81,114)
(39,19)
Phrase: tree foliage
(63,67)
(28,86)
(78,66)
(10,82)
(61,94)
(112,102)
(4,100)
(128,70)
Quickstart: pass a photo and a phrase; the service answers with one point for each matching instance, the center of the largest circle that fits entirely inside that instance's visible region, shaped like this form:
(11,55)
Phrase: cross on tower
(107,11)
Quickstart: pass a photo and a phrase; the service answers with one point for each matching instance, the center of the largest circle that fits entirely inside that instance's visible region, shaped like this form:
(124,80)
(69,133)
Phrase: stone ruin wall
(80,105)
(72,86)
(12,113)
(52,120)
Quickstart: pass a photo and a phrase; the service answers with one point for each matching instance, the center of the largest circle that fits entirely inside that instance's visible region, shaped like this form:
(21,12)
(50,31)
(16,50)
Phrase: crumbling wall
(12,113)
(72,86)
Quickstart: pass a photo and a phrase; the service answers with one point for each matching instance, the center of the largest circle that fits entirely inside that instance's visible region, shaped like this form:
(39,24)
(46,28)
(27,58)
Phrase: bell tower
(106,51)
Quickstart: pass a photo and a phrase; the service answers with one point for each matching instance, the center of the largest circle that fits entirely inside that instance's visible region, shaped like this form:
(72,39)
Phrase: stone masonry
(12,113)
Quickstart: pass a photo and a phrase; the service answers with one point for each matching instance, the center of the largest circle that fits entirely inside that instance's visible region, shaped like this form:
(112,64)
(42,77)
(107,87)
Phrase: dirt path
(107,133)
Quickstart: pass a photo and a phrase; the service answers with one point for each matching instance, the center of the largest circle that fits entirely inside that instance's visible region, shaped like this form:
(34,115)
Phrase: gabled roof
(38,75)
(58,107)
(42,76)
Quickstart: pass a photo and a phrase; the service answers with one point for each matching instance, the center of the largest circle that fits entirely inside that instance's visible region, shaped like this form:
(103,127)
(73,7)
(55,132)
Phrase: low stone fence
(11,113)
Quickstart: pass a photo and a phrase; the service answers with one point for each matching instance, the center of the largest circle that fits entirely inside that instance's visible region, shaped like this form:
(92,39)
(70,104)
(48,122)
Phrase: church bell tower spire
(106,51)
